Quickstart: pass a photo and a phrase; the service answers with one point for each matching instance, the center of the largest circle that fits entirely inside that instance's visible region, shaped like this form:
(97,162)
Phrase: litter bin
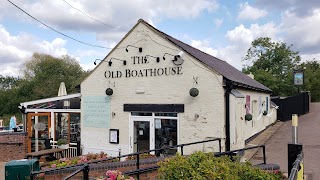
(21,169)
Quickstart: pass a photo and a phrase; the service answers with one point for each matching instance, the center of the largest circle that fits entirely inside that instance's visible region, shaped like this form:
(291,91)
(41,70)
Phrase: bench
(49,152)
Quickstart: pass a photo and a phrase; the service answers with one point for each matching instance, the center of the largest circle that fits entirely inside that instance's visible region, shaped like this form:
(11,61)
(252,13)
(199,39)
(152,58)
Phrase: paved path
(2,166)
(308,135)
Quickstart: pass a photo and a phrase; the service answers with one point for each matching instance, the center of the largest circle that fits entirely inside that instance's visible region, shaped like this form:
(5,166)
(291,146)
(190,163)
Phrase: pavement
(2,165)
(277,143)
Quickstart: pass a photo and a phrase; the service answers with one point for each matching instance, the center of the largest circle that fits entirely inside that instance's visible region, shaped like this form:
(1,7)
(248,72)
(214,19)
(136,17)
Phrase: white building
(149,76)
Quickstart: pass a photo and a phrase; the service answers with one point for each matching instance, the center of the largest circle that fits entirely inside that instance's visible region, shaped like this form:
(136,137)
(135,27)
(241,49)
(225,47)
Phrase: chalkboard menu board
(96,111)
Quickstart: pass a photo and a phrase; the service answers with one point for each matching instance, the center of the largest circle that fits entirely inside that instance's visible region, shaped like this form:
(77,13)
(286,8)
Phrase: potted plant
(62,143)
(265,113)
(248,117)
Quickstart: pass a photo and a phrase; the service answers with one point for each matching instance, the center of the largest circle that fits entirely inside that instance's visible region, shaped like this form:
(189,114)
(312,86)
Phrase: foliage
(312,79)
(42,77)
(141,156)
(204,166)
(272,64)
(62,141)
(43,70)
(114,175)
(79,160)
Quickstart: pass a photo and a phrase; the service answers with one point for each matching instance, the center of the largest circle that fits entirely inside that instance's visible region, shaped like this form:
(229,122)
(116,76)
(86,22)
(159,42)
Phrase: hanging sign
(298,77)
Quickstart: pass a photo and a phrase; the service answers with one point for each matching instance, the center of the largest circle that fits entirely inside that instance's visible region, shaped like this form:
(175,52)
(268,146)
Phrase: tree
(272,64)
(8,82)
(42,77)
(46,72)
(312,79)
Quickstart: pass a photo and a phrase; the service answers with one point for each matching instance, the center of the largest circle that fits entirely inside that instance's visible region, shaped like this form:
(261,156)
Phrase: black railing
(296,167)
(84,169)
(218,154)
(138,171)
(231,153)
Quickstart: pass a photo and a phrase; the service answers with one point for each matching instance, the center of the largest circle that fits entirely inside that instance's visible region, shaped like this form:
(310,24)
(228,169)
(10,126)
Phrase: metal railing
(137,172)
(84,169)
(297,168)
(231,153)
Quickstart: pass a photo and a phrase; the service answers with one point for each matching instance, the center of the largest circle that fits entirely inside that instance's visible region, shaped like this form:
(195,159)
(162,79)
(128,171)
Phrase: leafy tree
(42,77)
(272,64)
(312,79)
(8,82)
(46,72)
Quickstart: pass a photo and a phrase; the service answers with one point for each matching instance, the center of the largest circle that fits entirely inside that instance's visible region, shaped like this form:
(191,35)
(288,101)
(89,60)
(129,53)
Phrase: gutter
(229,86)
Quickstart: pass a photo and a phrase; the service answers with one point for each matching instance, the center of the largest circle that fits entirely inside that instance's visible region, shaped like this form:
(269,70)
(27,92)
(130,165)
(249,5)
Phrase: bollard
(294,128)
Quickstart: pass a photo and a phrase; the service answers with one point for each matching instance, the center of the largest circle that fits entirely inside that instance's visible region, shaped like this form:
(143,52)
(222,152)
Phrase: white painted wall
(240,129)
(171,89)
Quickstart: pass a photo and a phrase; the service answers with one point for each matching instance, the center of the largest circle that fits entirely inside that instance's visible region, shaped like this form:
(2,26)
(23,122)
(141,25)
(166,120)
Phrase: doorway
(152,131)
(39,125)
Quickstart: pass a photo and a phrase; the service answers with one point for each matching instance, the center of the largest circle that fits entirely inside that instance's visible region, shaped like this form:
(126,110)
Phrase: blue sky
(223,29)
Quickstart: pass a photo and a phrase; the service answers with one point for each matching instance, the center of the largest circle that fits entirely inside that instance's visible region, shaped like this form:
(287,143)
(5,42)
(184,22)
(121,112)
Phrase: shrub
(141,156)
(205,166)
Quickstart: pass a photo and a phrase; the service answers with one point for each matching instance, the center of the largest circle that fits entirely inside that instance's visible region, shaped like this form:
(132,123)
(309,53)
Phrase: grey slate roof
(226,70)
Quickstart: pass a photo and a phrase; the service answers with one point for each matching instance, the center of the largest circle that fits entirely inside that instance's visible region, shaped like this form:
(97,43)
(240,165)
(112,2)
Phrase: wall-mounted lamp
(157,58)
(177,58)
(140,48)
(109,91)
(164,56)
(124,61)
(95,61)
(194,92)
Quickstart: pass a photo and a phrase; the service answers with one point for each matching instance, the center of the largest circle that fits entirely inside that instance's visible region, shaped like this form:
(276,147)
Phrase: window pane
(141,114)
(165,135)
(167,114)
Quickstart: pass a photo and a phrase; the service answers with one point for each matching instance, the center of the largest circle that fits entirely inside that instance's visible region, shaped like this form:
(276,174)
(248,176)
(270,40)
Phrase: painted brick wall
(13,146)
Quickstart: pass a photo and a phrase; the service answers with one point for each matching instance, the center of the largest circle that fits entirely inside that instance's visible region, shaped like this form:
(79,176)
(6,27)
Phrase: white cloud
(302,32)
(15,49)
(251,13)
(309,57)
(204,46)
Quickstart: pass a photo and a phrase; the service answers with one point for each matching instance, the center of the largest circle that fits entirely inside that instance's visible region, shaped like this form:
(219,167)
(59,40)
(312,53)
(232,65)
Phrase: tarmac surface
(308,136)
(2,165)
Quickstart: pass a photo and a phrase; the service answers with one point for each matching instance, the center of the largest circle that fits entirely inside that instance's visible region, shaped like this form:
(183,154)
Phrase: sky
(224,29)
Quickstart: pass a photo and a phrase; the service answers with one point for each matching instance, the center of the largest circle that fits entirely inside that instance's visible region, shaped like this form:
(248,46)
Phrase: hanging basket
(248,117)
(265,113)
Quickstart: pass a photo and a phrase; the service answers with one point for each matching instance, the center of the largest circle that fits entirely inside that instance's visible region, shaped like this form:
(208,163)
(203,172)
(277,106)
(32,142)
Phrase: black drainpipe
(229,87)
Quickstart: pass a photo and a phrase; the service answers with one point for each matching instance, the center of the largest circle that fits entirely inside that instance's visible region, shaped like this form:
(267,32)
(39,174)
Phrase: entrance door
(142,134)
(39,125)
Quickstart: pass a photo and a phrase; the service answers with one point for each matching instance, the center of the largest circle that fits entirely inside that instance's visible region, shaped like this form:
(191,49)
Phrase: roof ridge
(218,65)
(166,35)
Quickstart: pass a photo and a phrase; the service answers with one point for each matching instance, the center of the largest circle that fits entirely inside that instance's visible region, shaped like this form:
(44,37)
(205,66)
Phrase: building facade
(153,90)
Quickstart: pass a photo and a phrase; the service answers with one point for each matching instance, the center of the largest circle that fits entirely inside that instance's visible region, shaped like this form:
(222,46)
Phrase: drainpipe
(229,87)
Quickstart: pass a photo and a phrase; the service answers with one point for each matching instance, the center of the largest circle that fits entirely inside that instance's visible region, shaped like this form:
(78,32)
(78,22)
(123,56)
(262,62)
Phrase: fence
(297,170)
(298,104)
(71,150)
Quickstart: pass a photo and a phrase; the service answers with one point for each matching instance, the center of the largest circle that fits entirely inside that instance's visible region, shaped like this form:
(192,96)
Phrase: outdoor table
(49,152)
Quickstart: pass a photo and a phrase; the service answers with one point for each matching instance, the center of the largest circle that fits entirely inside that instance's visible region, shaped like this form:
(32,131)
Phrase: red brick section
(97,173)
(13,146)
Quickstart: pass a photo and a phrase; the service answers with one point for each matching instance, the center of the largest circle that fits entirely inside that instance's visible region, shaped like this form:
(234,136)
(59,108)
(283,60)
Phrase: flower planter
(248,117)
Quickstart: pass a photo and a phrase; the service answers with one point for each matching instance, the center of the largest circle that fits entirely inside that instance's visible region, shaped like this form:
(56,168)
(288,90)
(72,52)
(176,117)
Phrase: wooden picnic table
(49,152)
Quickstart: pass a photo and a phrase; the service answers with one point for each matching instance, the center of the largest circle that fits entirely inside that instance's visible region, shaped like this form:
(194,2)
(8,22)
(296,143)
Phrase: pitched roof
(226,70)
